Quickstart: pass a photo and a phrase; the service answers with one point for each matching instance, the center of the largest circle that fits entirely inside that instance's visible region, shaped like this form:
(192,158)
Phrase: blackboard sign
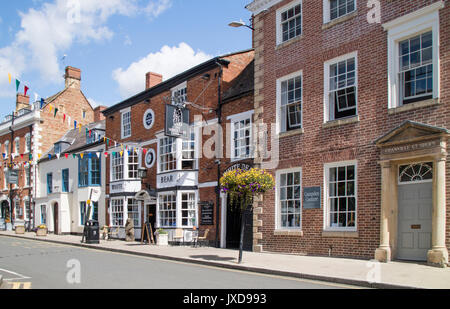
(207,210)
(147,233)
(311,198)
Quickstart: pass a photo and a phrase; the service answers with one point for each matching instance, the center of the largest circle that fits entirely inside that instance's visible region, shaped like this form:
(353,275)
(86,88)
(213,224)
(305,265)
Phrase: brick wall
(319,145)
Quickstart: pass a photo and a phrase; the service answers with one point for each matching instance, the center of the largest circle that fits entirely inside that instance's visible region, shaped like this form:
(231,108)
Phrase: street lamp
(142,173)
(237,24)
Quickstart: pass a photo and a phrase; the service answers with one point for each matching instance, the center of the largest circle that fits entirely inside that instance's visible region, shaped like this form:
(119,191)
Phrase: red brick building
(180,190)
(359,101)
(30,131)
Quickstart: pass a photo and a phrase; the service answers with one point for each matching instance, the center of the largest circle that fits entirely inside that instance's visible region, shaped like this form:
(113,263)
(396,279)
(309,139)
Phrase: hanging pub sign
(12,176)
(177,121)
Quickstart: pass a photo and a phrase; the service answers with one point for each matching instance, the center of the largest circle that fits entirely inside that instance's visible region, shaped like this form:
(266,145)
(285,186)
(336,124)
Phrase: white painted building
(71,174)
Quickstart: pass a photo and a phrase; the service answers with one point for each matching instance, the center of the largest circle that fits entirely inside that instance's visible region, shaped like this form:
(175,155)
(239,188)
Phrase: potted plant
(243,186)
(41,230)
(162,237)
(20,229)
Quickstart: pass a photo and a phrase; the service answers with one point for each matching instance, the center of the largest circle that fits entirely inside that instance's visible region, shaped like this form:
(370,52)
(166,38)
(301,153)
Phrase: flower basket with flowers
(41,230)
(243,186)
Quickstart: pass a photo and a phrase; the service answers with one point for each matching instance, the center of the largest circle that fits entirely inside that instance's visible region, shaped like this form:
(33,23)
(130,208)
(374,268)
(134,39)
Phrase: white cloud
(56,26)
(169,61)
(95,103)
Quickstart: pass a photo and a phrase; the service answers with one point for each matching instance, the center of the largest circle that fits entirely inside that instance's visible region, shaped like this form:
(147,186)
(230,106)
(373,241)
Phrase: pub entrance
(233,226)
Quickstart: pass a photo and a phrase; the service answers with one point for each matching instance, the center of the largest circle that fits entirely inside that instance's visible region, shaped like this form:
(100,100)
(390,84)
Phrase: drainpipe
(29,189)
(219,120)
(11,205)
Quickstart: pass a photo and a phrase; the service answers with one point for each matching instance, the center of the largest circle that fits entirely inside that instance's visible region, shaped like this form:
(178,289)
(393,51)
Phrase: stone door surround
(409,143)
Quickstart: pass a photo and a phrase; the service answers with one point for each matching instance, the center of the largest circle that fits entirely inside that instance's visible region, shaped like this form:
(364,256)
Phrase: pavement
(357,272)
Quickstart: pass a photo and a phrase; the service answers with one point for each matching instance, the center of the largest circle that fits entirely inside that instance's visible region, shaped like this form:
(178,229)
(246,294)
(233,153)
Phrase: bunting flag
(106,154)
(56,111)
(4,155)
(144,151)
(36,97)
(21,156)
(50,107)
(64,119)
(74,155)
(58,155)
(42,102)
(98,154)
(39,156)
(90,155)
(49,156)
(69,120)
(9,77)
(66,155)
(121,153)
(17,85)
(81,155)
(79,127)
(25,89)
(75,124)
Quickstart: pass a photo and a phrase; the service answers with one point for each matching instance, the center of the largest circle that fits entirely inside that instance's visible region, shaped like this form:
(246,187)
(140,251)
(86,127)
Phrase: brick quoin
(354,141)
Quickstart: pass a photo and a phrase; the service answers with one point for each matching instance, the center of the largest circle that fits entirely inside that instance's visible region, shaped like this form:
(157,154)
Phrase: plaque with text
(207,213)
(311,198)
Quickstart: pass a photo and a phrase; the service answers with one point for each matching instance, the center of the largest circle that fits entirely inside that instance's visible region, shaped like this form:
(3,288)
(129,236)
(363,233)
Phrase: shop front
(413,198)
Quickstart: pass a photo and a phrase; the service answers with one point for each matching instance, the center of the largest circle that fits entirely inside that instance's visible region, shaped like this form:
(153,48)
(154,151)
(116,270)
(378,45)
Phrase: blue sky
(113,42)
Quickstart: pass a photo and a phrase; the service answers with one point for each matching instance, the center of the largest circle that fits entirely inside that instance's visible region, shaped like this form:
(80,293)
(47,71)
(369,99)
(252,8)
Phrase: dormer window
(179,93)
(93,136)
(57,148)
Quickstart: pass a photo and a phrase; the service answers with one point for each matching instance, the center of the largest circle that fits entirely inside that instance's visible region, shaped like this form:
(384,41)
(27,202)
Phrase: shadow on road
(212,258)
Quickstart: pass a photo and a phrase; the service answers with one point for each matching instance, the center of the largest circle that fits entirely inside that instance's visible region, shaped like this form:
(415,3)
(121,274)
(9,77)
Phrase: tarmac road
(27,264)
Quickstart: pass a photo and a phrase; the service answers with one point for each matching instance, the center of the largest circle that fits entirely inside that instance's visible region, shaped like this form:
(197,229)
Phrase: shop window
(168,210)
(116,212)
(188,210)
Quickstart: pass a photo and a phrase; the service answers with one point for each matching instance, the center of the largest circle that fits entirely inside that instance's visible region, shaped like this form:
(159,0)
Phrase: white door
(415,201)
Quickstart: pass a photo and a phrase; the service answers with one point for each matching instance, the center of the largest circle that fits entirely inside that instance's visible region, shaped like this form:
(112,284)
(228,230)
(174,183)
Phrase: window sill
(341,234)
(340,122)
(291,133)
(415,105)
(339,20)
(287,43)
(288,233)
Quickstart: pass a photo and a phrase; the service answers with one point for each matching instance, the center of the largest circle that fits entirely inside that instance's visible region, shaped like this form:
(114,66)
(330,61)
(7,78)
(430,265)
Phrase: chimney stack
(22,101)
(152,79)
(98,115)
(73,77)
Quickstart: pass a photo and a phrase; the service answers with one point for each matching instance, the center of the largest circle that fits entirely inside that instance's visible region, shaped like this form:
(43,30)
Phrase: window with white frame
(188,152)
(290,102)
(116,166)
(289,22)
(17,145)
(188,209)
(289,198)
(116,210)
(27,213)
(334,9)
(179,93)
(133,164)
(43,214)
(242,138)
(18,209)
(413,56)
(167,210)
(28,177)
(133,212)
(6,148)
(341,195)
(341,87)
(27,143)
(416,68)
(126,124)
(167,154)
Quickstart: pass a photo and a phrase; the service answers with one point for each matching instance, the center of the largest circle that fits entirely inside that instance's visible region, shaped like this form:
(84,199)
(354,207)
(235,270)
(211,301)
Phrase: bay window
(116,166)
(167,154)
(177,209)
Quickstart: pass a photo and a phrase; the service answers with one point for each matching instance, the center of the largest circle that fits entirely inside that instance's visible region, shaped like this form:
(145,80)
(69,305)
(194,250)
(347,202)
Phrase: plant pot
(162,239)
(20,229)
(41,232)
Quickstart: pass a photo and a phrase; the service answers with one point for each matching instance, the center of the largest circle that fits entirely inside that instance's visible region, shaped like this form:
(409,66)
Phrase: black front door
(234,220)
(151,217)
(5,210)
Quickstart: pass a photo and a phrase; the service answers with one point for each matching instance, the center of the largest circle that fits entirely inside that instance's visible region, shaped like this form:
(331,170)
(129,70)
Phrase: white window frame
(18,210)
(278,99)
(123,113)
(136,211)
(279,29)
(180,210)
(326,206)
(327,11)
(408,26)
(237,118)
(26,199)
(326,95)
(112,207)
(178,88)
(27,143)
(113,165)
(158,209)
(17,145)
(278,174)
(175,153)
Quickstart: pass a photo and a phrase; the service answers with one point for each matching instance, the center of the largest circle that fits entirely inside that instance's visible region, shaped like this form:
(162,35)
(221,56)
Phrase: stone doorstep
(346,281)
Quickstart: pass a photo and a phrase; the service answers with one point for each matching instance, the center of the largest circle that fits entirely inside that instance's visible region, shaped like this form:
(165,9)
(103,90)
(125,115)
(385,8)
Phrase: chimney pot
(22,101)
